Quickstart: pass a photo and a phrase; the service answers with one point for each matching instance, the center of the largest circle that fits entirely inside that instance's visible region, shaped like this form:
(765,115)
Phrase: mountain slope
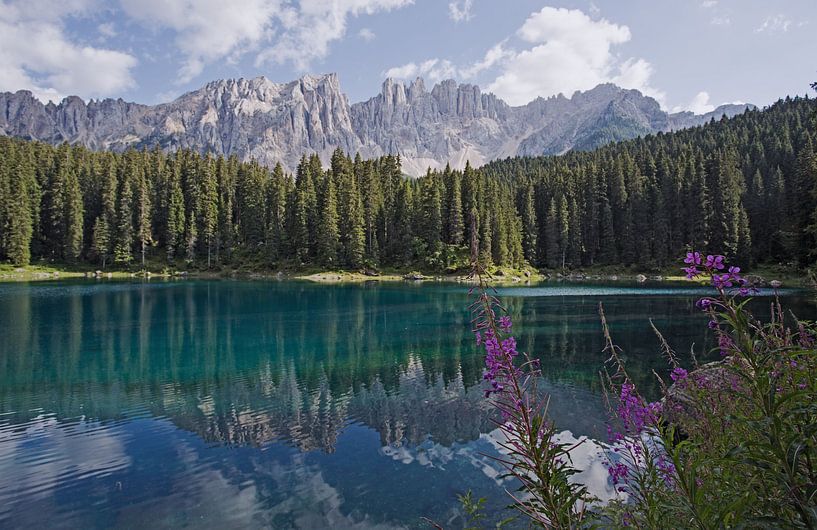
(279,122)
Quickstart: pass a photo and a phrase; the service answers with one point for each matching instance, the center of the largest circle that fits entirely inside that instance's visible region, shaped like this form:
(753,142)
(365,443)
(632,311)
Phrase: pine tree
(552,224)
(250,205)
(803,204)
(454,226)
(372,209)
(174,237)
(101,243)
(208,207)
(530,229)
(17,225)
(226,174)
(143,215)
(327,236)
(65,209)
(352,232)
(278,187)
(400,224)
(430,212)
(123,245)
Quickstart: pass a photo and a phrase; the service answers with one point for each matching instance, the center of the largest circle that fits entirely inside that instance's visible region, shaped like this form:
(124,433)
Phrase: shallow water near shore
(239,404)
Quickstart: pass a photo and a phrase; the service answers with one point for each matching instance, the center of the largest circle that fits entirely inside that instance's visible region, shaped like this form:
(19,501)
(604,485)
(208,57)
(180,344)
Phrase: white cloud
(307,30)
(720,21)
(36,54)
(432,69)
(569,52)
(437,69)
(699,105)
(207,30)
(280,31)
(366,34)
(107,30)
(492,57)
(594,9)
(775,24)
(709,3)
(460,10)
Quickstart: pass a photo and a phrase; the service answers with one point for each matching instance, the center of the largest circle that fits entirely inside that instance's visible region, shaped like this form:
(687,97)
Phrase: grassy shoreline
(503,275)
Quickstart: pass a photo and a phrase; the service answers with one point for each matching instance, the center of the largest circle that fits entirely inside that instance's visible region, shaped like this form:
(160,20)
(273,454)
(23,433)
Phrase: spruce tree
(123,245)
(352,232)
(327,236)
(454,220)
(530,228)
(174,237)
(208,207)
(17,225)
(101,244)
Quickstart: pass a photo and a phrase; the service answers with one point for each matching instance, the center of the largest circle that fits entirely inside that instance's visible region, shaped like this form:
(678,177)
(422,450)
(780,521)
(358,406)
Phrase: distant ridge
(279,122)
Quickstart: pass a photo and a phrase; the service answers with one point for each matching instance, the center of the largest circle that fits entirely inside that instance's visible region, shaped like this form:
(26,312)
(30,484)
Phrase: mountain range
(279,122)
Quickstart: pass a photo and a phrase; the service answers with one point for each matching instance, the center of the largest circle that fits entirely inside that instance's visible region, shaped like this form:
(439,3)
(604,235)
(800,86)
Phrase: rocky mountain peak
(279,122)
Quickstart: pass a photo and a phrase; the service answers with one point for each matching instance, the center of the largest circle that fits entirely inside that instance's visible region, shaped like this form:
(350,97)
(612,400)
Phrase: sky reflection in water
(241,404)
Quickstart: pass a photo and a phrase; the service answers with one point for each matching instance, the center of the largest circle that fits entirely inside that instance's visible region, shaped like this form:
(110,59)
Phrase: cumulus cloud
(437,69)
(36,54)
(566,51)
(432,69)
(460,10)
(277,31)
(306,30)
(775,24)
(107,30)
(700,104)
(206,30)
(366,34)
(569,51)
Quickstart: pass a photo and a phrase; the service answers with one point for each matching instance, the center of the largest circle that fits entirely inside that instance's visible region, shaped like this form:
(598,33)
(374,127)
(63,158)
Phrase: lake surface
(235,404)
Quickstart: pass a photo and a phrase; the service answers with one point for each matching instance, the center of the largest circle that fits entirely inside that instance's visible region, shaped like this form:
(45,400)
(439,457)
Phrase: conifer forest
(746,185)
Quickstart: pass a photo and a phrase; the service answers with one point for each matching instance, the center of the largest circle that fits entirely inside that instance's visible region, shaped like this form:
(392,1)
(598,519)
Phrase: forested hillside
(744,186)
(69,204)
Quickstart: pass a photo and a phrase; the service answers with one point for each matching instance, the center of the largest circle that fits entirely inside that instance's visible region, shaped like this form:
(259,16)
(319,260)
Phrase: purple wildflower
(618,472)
(634,412)
(704,303)
(505,324)
(693,258)
(666,468)
(715,262)
(678,374)
(691,272)
(722,281)
(725,344)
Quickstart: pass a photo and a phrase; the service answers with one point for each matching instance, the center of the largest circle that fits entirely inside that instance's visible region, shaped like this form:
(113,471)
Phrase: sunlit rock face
(279,122)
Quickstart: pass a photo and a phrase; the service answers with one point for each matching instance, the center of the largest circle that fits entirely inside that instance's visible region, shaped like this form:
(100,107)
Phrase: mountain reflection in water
(285,404)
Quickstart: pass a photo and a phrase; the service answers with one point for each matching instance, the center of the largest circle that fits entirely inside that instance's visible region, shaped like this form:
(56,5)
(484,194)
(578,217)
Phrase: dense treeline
(69,204)
(744,186)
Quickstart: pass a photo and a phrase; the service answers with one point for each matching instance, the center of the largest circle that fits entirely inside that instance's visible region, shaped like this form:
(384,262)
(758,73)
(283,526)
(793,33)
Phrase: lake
(240,404)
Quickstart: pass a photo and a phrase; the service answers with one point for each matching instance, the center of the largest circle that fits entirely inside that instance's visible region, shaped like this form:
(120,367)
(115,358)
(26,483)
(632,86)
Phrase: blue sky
(687,54)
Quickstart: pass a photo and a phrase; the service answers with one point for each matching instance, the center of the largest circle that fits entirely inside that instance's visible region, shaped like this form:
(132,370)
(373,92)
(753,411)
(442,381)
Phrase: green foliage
(746,185)
(751,182)
(121,208)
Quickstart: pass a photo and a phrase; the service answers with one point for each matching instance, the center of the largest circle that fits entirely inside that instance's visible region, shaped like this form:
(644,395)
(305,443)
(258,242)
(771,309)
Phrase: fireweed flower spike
(729,443)
(541,465)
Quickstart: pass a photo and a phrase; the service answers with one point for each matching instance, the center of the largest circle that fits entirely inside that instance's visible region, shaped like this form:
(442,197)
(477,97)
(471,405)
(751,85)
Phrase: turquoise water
(243,404)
